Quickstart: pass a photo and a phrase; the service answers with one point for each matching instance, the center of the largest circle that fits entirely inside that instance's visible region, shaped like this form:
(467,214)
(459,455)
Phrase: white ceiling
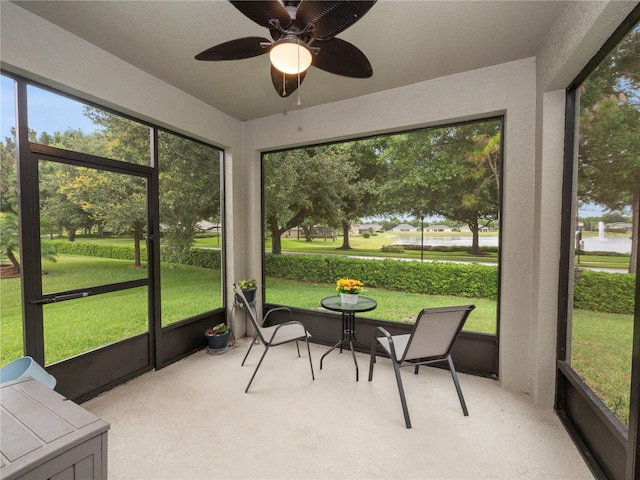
(405,41)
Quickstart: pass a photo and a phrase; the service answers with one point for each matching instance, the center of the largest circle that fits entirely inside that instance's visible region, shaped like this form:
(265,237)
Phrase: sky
(47,112)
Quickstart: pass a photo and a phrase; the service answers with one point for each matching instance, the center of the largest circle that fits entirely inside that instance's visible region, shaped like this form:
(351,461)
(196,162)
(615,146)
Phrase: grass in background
(188,291)
(78,326)
(601,347)
(81,325)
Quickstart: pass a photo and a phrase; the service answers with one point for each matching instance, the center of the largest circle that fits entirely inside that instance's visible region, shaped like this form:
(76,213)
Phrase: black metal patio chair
(273,336)
(430,342)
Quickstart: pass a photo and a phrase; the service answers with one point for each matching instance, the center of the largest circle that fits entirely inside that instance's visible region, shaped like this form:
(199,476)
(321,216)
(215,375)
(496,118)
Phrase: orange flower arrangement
(349,285)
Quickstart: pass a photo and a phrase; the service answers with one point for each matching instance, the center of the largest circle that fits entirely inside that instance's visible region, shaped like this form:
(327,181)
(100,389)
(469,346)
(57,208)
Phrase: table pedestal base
(348,335)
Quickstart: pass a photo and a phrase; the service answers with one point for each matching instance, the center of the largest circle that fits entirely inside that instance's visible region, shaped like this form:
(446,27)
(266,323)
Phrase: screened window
(190,222)
(94,224)
(414,213)
(606,229)
(11,335)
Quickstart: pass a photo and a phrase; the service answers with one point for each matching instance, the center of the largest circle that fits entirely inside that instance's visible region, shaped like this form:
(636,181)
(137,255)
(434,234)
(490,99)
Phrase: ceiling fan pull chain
(299,102)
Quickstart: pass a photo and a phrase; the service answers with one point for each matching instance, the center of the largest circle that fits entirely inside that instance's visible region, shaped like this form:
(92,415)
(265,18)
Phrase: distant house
(619,226)
(369,227)
(317,231)
(405,228)
(439,228)
(207,226)
(321,231)
(466,229)
(295,232)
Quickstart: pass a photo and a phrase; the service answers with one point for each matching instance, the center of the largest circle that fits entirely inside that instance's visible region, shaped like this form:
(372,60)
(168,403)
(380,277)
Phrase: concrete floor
(193,420)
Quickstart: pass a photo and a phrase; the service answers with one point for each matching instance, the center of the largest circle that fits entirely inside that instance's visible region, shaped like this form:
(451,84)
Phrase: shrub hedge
(392,248)
(605,292)
(198,257)
(595,291)
(449,248)
(121,252)
(463,280)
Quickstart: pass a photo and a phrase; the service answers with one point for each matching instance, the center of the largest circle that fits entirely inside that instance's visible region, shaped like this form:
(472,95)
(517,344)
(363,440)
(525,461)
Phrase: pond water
(607,244)
(591,244)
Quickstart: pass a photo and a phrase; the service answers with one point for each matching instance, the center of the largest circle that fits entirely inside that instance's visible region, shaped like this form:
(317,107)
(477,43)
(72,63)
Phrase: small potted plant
(217,338)
(348,288)
(248,287)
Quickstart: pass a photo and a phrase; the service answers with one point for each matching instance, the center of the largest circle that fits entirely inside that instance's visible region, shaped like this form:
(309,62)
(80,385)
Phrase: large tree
(189,177)
(57,209)
(189,181)
(360,197)
(116,201)
(300,184)
(609,155)
(451,172)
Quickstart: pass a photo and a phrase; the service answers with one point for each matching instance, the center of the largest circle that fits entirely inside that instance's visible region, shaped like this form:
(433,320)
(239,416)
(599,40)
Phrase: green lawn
(601,353)
(77,326)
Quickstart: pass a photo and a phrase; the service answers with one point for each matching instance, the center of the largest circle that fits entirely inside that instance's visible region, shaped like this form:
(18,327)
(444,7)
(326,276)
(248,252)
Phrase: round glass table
(348,311)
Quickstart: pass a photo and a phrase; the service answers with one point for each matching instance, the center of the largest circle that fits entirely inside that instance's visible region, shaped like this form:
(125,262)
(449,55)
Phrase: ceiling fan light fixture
(291,56)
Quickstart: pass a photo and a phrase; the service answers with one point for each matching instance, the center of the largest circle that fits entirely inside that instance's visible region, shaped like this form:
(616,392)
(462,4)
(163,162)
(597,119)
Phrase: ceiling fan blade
(235,49)
(331,17)
(342,58)
(285,84)
(263,11)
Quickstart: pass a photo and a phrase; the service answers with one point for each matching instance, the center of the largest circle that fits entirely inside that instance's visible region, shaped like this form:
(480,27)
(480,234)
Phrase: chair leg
(457,384)
(257,367)
(403,399)
(253,341)
(372,360)
(298,347)
(313,377)
(416,369)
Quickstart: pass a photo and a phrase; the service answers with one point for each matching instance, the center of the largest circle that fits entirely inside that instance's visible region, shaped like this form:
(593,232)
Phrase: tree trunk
(475,242)
(137,235)
(71,234)
(272,221)
(307,233)
(14,261)
(346,226)
(635,209)
(276,244)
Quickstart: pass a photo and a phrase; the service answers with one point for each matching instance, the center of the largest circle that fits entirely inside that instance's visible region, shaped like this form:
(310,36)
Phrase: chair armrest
(264,319)
(390,339)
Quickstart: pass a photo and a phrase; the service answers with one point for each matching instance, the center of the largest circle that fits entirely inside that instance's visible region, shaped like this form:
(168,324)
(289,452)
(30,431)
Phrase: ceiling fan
(303,33)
